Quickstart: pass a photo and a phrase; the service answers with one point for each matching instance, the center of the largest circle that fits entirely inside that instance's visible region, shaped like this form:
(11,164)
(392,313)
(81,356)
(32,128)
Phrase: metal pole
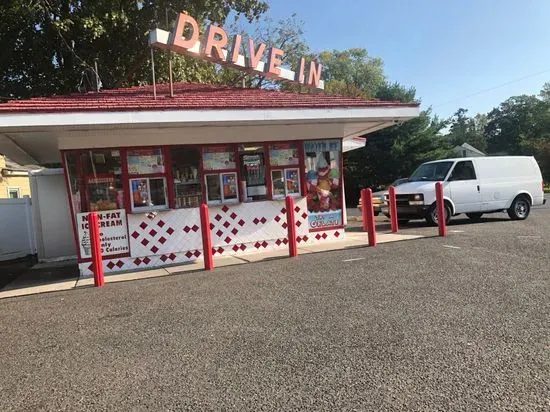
(371,224)
(291,227)
(169,62)
(153,69)
(96,76)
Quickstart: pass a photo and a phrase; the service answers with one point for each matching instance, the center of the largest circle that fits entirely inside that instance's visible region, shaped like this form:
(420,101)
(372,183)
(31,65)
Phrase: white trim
(213,117)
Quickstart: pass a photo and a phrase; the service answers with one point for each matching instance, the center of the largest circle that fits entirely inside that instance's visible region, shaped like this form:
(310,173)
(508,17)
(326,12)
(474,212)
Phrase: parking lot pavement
(459,323)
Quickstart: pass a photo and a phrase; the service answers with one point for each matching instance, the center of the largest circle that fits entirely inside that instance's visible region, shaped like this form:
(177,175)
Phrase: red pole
(206,239)
(393,210)
(371,224)
(97,259)
(291,227)
(364,212)
(440,204)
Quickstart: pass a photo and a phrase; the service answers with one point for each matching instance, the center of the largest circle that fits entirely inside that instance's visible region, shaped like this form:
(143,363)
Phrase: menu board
(218,158)
(145,161)
(113,233)
(283,155)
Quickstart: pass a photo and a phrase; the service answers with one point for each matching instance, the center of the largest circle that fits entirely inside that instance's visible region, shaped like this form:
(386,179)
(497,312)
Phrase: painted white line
(351,260)
(456,231)
(529,237)
(451,247)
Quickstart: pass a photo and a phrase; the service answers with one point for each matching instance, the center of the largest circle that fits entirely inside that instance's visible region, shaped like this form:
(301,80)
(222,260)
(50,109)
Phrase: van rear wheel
(474,217)
(520,208)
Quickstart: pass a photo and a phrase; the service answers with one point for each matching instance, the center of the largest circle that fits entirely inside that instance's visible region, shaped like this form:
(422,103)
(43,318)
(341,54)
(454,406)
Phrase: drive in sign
(113,233)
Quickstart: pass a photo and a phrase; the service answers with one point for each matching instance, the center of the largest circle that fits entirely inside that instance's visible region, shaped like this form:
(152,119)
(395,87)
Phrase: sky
(450,51)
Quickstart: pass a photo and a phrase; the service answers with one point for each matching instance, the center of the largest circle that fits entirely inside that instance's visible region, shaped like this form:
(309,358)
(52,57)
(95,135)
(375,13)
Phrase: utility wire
(491,88)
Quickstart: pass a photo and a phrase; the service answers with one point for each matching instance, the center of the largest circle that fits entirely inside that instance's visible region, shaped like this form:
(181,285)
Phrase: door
(464,187)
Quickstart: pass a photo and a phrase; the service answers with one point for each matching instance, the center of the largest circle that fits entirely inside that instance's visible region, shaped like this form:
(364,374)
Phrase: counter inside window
(147,179)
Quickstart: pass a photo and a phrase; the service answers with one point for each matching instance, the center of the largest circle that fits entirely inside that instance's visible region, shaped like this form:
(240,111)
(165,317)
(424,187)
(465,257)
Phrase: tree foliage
(471,130)
(50,43)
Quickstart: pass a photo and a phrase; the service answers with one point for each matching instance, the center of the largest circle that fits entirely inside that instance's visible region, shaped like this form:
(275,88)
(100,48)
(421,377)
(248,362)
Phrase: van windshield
(432,172)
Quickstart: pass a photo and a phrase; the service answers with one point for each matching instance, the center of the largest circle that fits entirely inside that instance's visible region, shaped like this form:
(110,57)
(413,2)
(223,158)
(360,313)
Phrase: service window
(148,194)
(102,180)
(285,180)
(186,175)
(220,174)
(221,188)
(463,170)
(253,172)
(147,181)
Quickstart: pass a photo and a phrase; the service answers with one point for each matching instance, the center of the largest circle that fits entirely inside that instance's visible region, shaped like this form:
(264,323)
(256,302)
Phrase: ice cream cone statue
(323,184)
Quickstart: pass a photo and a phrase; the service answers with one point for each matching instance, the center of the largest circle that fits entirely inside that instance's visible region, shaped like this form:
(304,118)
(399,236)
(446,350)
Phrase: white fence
(16,229)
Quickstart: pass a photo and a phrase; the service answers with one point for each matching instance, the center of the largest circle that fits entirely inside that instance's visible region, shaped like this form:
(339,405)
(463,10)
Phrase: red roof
(187,96)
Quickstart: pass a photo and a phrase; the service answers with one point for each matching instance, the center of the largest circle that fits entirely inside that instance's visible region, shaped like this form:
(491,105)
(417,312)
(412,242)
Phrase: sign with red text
(113,233)
(217,47)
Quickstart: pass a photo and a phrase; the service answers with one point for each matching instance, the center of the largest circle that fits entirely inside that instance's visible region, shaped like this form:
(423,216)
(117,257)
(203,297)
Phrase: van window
(463,171)
(431,171)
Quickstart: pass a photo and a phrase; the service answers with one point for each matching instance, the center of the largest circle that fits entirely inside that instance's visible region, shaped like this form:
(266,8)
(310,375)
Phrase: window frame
(450,179)
(10,189)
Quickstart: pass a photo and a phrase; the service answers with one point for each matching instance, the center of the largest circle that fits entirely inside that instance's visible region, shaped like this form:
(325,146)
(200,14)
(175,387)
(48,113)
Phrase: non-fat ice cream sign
(217,47)
(113,233)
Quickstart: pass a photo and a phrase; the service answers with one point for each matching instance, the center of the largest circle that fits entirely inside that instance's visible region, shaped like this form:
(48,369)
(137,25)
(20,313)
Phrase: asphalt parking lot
(460,323)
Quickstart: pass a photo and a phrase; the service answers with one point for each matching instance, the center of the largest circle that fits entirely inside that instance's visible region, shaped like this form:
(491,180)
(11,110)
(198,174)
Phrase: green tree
(286,34)
(471,130)
(352,72)
(50,43)
(515,121)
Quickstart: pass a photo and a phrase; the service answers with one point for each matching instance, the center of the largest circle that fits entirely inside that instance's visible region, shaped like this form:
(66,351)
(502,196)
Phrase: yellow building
(14,179)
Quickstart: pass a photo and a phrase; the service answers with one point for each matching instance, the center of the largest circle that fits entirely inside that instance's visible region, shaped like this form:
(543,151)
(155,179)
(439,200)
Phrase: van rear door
(464,187)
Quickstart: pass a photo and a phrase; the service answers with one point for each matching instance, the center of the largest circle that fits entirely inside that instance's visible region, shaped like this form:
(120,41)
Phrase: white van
(473,186)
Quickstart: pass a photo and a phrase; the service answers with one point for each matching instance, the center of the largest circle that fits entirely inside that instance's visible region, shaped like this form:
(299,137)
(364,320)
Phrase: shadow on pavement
(25,273)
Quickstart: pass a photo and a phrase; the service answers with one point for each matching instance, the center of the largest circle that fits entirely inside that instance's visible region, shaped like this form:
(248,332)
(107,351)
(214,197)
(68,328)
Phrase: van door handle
(478,188)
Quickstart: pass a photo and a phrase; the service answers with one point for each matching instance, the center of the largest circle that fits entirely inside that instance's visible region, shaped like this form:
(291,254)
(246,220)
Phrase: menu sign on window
(145,161)
(113,233)
(218,158)
(283,155)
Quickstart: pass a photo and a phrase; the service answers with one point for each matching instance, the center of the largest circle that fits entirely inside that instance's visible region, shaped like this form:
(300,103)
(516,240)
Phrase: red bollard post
(393,210)
(97,259)
(440,204)
(206,238)
(364,212)
(371,224)
(291,227)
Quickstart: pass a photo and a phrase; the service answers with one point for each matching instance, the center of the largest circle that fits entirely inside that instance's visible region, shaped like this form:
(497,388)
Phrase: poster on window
(283,155)
(218,158)
(113,233)
(145,161)
(324,194)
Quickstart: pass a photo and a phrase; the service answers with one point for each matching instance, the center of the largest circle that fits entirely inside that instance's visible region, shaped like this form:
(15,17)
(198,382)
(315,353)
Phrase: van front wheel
(520,208)
(431,217)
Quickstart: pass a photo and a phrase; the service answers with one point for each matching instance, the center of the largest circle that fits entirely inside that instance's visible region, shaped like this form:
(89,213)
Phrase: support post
(393,210)
(371,224)
(97,259)
(440,204)
(364,212)
(206,238)
(291,227)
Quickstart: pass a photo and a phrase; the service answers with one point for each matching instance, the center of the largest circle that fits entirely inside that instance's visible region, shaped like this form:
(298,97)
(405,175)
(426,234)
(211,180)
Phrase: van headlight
(416,200)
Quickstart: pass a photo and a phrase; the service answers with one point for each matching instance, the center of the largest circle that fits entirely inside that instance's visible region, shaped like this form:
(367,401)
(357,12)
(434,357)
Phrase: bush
(546,189)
